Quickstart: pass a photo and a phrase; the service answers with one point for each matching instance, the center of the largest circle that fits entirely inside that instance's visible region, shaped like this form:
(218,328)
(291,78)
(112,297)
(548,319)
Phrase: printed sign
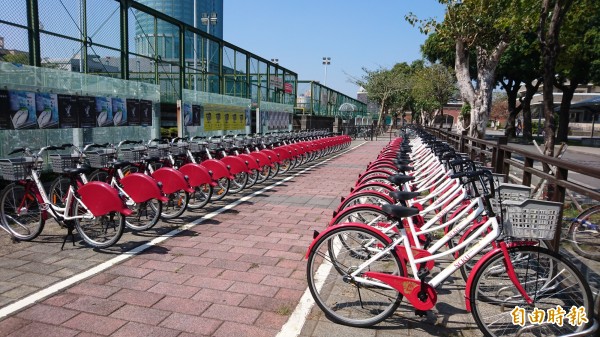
(68,111)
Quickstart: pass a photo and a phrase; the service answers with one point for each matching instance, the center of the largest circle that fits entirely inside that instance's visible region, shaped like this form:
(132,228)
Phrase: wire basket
(509,192)
(101,158)
(14,169)
(60,162)
(133,154)
(214,144)
(197,147)
(179,148)
(239,142)
(158,150)
(531,219)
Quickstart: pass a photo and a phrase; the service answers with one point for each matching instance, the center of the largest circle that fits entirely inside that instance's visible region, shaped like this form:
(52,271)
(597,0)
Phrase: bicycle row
(422,205)
(103,188)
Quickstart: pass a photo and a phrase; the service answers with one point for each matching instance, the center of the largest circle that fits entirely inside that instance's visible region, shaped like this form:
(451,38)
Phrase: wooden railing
(498,155)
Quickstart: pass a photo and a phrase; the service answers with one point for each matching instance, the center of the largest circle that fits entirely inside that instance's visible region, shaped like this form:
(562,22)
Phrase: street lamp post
(326,62)
(208,20)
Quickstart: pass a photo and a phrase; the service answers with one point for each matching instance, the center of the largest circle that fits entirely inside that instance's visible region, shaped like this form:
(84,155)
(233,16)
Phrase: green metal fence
(319,100)
(128,40)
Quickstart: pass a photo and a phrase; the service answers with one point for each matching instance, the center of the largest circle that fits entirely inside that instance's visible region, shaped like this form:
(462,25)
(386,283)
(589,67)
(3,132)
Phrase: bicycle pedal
(420,313)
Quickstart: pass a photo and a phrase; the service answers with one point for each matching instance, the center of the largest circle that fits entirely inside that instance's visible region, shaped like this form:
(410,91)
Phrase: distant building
(372,107)
(12,55)
(167,45)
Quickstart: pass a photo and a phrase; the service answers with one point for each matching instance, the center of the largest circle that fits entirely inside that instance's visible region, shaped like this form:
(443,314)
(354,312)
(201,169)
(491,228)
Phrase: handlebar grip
(66,145)
(457,175)
(53,148)
(17,150)
(128,142)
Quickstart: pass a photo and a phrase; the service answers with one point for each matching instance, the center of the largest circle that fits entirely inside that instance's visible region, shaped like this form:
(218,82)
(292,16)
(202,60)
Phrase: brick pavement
(241,273)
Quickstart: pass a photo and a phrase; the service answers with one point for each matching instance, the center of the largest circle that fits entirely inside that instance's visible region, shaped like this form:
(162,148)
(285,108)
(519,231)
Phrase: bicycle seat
(85,169)
(152,159)
(402,162)
(405,168)
(398,212)
(403,195)
(120,164)
(399,179)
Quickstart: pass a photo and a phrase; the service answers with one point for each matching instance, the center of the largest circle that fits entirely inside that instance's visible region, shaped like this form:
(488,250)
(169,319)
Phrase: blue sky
(355,34)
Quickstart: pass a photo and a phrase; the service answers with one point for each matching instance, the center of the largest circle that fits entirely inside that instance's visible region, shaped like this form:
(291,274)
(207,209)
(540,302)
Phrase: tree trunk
(480,99)
(531,89)
(512,91)
(548,34)
(565,106)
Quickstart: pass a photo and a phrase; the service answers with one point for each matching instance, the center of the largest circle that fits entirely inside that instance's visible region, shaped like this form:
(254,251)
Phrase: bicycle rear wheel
(20,212)
(99,231)
(238,183)
(346,299)
(550,281)
(200,197)
(145,215)
(584,234)
(176,204)
(221,190)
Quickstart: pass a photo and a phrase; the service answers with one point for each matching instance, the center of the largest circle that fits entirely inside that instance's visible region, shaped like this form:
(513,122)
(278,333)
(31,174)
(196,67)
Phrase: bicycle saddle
(399,179)
(152,159)
(403,195)
(85,169)
(399,212)
(405,168)
(402,162)
(120,164)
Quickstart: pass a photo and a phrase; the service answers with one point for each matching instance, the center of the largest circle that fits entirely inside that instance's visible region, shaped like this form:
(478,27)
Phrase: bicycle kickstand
(70,228)
(422,274)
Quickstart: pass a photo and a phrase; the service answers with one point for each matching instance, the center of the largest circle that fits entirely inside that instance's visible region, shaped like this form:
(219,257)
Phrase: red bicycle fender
(380,194)
(272,155)
(365,187)
(100,198)
(336,215)
(250,161)
(218,168)
(236,165)
(360,225)
(263,159)
(283,152)
(172,180)
(368,179)
(141,187)
(197,174)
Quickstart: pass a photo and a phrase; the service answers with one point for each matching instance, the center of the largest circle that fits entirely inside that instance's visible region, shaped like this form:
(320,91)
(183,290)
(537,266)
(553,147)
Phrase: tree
(551,17)
(574,63)
(385,87)
(499,109)
(484,27)
(21,58)
(435,84)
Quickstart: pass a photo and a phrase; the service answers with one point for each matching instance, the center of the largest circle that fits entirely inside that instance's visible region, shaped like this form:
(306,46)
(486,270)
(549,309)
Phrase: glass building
(167,39)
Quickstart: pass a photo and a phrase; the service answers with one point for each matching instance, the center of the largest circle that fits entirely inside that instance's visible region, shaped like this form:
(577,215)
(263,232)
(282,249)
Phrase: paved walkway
(238,271)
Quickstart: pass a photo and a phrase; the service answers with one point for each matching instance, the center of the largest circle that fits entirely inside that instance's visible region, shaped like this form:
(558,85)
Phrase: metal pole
(195,45)
(207,53)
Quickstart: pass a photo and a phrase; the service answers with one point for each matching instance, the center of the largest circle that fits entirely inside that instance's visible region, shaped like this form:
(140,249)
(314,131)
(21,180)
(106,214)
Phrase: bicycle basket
(179,148)
(101,158)
(133,154)
(197,147)
(509,192)
(159,150)
(531,219)
(14,169)
(60,162)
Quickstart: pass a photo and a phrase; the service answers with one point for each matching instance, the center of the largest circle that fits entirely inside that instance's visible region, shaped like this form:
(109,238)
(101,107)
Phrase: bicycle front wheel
(550,280)
(238,183)
(221,190)
(348,299)
(98,231)
(20,212)
(584,234)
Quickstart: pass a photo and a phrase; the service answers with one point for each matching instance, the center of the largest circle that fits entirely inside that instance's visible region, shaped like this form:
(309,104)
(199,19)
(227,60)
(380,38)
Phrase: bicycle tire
(285,166)
(176,205)
(366,197)
(99,175)
(200,197)
(57,193)
(547,277)
(252,178)
(263,174)
(349,302)
(383,188)
(145,215)
(584,233)
(20,212)
(221,190)
(362,214)
(238,183)
(100,231)
(274,171)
